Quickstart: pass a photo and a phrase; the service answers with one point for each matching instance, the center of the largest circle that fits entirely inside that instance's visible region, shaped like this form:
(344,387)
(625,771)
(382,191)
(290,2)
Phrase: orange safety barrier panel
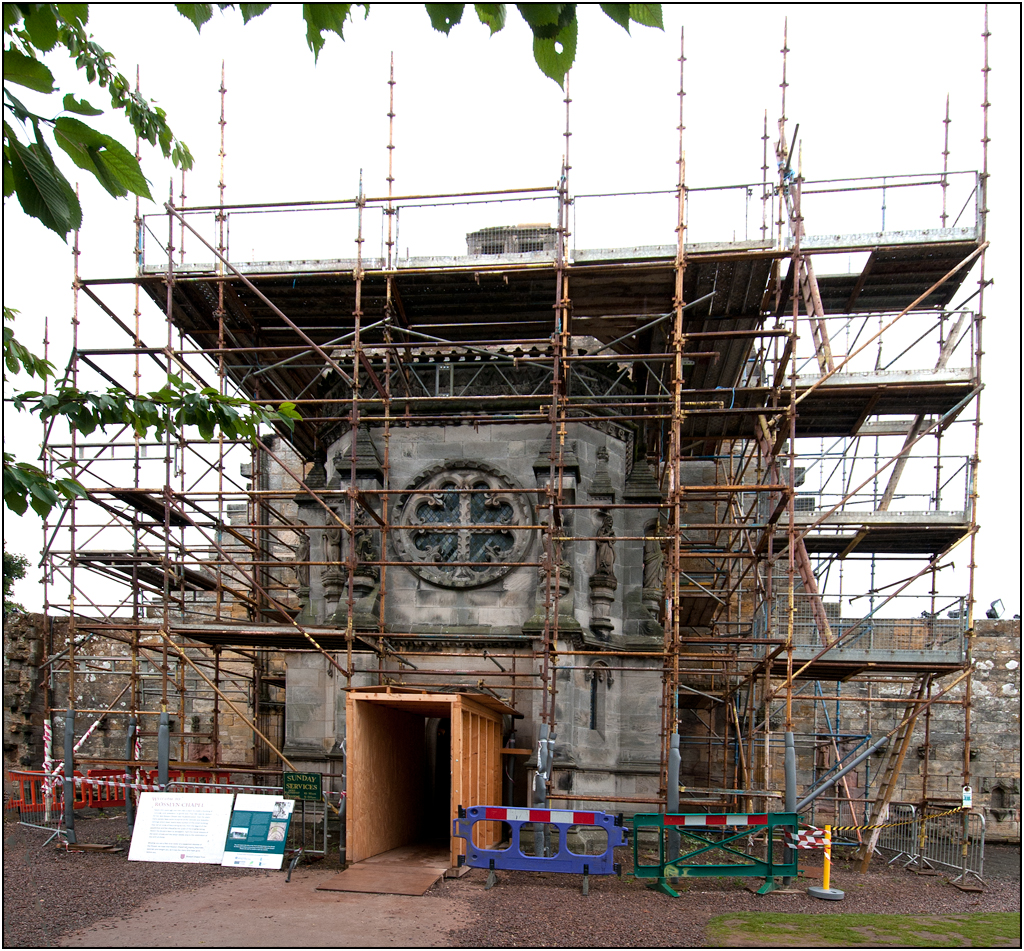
(105,791)
(204,777)
(30,798)
(102,795)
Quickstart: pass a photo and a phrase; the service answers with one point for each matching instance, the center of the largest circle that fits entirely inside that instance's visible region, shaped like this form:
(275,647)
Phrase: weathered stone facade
(608,741)
(932,771)
(103,668)
(24,704)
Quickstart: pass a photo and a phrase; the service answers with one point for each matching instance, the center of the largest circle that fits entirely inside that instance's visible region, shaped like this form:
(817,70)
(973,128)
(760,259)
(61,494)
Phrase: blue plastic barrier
(562,860)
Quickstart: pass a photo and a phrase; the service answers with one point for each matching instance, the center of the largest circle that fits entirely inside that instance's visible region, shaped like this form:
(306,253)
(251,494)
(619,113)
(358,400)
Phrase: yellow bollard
(828,857)
(824,892)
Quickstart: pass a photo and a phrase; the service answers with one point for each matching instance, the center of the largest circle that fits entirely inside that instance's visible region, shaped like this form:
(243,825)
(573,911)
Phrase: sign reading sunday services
(304,786)
(257,832)
(181,827)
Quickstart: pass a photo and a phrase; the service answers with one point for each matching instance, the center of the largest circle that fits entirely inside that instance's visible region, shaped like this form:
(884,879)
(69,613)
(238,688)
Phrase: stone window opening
(462,525)
(600,682)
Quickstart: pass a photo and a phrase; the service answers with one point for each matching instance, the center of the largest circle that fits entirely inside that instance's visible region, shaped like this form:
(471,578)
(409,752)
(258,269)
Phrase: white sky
(868,86)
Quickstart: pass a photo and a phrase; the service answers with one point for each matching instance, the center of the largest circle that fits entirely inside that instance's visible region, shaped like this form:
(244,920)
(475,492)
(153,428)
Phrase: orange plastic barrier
(205,777)
(29,798)
(108,790)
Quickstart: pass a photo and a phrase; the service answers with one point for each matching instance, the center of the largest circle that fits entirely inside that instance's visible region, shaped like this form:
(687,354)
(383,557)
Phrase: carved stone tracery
(457,526)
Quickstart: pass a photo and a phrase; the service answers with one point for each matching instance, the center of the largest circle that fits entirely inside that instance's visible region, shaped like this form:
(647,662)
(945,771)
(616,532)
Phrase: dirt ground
(53,897)
(252,912)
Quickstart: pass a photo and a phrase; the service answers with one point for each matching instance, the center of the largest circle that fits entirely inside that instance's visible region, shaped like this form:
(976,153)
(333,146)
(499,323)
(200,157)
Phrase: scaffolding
(792,442)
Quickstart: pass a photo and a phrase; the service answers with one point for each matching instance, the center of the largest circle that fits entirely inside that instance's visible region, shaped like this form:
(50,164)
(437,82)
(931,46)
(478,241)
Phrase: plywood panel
(458,846)
(479,768)
(385,778)
(386,766)
(383,880)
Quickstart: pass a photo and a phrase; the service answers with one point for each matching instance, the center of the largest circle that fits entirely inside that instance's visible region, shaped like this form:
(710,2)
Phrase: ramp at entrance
(408,870)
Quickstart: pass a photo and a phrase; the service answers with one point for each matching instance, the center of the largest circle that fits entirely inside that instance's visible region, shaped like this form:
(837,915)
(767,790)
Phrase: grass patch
(775,929)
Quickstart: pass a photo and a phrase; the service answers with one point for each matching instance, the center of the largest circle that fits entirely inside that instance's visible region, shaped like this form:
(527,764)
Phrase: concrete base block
(826,894)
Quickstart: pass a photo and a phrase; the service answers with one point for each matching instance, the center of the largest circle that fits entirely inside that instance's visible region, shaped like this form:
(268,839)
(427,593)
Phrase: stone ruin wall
(97,687)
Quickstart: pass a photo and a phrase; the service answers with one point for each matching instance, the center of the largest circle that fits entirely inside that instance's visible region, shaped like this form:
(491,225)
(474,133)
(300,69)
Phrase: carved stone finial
(602,487)
(316,478)
(642,486)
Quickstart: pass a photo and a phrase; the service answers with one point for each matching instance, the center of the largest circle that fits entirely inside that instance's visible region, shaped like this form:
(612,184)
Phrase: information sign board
(257,832)
(181,827)
(306,786)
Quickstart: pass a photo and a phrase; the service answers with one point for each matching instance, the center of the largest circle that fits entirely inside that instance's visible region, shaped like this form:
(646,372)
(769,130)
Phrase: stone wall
(996,727)
(23,694)
(932,771)
(103,668)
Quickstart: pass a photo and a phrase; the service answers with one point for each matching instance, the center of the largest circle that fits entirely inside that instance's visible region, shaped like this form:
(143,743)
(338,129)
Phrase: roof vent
(512,239)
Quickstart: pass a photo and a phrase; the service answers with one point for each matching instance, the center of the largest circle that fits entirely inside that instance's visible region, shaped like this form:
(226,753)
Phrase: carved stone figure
(302,557)
(605,562)
(332,547)
(654,559)
(366,551)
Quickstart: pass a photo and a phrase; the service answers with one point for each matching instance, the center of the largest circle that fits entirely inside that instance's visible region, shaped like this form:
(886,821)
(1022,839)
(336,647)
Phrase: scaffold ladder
(896,753)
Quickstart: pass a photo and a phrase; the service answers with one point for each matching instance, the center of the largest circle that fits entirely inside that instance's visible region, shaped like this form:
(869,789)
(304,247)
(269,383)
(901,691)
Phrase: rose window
(457,527)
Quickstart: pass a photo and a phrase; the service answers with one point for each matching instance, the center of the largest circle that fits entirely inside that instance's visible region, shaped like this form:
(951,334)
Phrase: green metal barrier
(704,834)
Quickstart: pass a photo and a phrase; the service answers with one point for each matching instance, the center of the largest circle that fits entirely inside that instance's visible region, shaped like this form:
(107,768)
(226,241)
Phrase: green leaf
(547,20)
(325,17)
(112,164)
(491,14)
(555,56)
(12,15)
(196,13)
(124,167)
(26,484)
(26,71)
(443,16)
(42,190)
(619,12)
(40,506)
(74,12)
(646,14)
(81,107)
(16,501)
(41,27)
(19,110)
(17,356)
(45,492)
(252,10)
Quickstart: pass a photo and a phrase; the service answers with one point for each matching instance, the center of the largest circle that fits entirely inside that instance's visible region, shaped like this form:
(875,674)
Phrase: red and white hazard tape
(111,783)
(47,760)
(811,838)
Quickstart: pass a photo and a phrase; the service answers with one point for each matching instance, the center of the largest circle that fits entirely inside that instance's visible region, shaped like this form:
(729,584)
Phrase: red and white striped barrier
(539,815)
(704,821)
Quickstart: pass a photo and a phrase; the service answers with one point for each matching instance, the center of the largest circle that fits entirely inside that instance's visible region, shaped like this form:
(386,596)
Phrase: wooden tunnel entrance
(395,767)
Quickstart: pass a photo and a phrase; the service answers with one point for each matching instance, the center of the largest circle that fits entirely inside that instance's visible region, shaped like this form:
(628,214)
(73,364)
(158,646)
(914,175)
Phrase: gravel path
(49,892)
(524,910)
